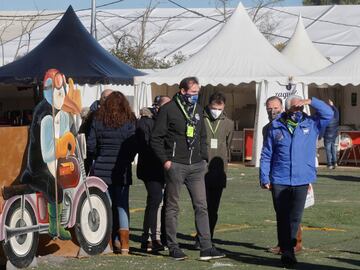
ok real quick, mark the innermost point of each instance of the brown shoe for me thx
(275, 250)
(124, 240)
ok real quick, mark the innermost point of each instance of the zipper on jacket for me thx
(191, 152)
(174, 149)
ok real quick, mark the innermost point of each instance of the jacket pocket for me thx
(174, 149)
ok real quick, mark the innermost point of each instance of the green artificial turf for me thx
(246, 228)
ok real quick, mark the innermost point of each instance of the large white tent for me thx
(238, 54)
(340, 82)
(301, 51)
(345, 71)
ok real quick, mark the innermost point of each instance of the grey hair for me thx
(288, 100)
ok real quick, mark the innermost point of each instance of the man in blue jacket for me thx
(287, 165)
(330, 134)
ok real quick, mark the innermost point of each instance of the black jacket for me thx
(168, 139)
(113, 150)
(149, 167)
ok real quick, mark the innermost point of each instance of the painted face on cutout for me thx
(55, 88)
(59, 90)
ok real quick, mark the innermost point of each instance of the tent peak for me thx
(240, 6)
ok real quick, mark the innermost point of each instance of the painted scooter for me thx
(86, 207)
(55, 153)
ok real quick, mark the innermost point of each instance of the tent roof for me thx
(238, 53)
(71, 49)
(301, 51)
(345, 71)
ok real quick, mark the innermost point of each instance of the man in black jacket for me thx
(149, 169)
(179, 141)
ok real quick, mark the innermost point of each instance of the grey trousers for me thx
(193, 178)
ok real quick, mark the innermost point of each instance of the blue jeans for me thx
(330, 148)
(120, 203)
(289, 202)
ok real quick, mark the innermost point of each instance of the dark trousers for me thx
(289, 202)
(154, 198)
(193, 178)
(213, 196)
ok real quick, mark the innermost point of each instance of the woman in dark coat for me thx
(111, 145)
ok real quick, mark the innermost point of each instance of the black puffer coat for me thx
(113, 150)
(149, 167)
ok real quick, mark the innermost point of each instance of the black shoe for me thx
(177, 254)
(210, 253)
(197, 245)
(146, 246)
(157, 246)
(288, 259)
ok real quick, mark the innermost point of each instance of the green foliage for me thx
(137, 56)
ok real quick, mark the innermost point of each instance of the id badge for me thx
(190, 131)
(213, 143)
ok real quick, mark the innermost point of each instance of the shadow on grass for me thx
(239, 244)
(347, 178)
(350, 252)
(345, 260)
(275, 262)
(218, 242)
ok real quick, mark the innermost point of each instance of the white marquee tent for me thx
(301, 51)
(238, 54)
(340, 82)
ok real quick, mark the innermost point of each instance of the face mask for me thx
(296, 116)
(192, 99)
(215, 113)
(272, 114)
(48, 95)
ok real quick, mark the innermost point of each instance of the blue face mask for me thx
(192, 99)
(296, 116)
(48, 95)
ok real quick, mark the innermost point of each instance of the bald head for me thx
(163, 100)
(105, 94)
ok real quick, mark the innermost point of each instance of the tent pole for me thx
(93, 19)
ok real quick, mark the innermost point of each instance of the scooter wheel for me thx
(21, 250)
(93, 230)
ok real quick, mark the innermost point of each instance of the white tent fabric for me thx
(301, 51)
(345, 71)
(239, 53)
(334, 30)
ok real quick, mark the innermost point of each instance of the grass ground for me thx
(246, 228)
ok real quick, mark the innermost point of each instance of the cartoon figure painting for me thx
(55, 192)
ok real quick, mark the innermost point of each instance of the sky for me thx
(82, 4)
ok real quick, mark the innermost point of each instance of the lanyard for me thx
(212, 130)
(184, 111)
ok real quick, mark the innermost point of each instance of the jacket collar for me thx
(276, 123)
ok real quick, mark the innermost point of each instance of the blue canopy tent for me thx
(71, 49)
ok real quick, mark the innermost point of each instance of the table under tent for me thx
(239, 62)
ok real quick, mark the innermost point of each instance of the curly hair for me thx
(115, 111)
